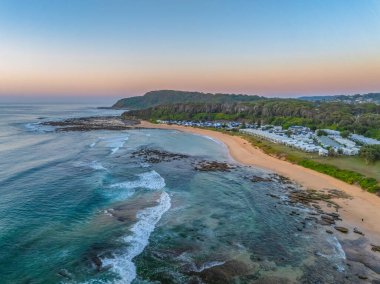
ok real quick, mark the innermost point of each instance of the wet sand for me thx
(361, 211)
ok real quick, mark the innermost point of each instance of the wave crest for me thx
(147, 220)
(149, 180)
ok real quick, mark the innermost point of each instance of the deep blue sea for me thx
(82, 207)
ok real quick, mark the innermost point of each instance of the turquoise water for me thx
(70, 200)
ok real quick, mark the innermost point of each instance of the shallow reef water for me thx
(95, 207)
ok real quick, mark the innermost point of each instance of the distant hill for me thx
(354, 99)
(167, 97)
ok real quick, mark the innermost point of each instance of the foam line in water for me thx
(144, 165)
(147, 219)
(95, 165)
(116, 143)
(149, 180)
(214, 140)
(185, 257)
(338, 256)
(208, 265)
(38, 127)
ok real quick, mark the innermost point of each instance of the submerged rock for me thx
(341, 229)
(358, 232)
(375, 248)
(328, 219)
(259, 179)
(223, 273)
(157, 156)
(65, 274)
(273, 195)
(213, 166)
(97, 261)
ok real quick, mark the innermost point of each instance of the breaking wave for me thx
(38, 127)
(208, 265)
(149, 180)
(121, 263)
(116, 143)
(338, 256)
(214, 140)
(95, 165)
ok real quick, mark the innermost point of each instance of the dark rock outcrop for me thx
(93, 123)
(207, 166)
(156, 156)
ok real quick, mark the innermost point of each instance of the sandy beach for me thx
(361, 211)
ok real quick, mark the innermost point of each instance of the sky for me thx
(124, 48)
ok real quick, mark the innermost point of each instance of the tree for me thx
(345, 133)
(321, 132)
(332, 153)
(370, 153)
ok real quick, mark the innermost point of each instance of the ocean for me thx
(130, 207)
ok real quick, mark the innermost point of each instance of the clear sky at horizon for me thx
(123, 48)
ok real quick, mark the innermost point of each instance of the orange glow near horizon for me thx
(335, 75)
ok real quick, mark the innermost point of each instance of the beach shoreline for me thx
(362, 211)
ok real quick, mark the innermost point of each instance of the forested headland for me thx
(361, 119)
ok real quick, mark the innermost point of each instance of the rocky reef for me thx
(93, 123)
(207, 166)
(155, 156)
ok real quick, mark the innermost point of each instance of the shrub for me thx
(371, 153)
(345, 133)
(351, 177)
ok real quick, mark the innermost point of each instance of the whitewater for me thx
(81, 207)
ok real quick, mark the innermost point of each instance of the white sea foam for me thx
(186, 257)
(38, 127)
(144, 165)
(92, 145)
(214, 140)
(109, 212)
(116, 143)
(140, 232)
(96, 166)
(149, 180)
(93, 165)
(208, 265)
(338, 256)
(32, 126)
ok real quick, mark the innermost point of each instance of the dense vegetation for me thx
(356, 118)
(164, 97)
(351, 177)
(371, 153)
(371, 97)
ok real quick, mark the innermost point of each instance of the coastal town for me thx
(322, 141)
